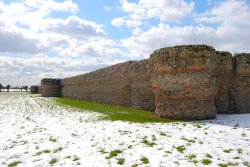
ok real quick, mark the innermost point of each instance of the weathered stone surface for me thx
(183, 81)
(34, 89)
(39, 90)
(241, 92)
(51, 87)
(141, 96)
(224, 100)
(109, 85)
(125, 84)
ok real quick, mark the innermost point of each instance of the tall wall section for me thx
(233, 82)
(50, 87)
(224, 100)
(125, 84)
(241, 91)
(141, 96)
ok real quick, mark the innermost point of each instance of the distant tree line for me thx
(8, 87)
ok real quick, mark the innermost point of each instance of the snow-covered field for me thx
(15, 90)
(36, 131)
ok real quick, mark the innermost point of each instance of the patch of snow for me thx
(35, 130)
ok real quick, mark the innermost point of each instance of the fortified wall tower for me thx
(50, 87)
(182, 82)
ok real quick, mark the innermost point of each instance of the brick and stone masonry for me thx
(224, 100)
(241, 89)
(125, 84)
(182, 82)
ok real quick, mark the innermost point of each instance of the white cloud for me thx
(66, 5)
(72, 36)
(118, 22)
(164, 10)
(229, 12)
(133, 23)
(31, 12)
(15, 41)
(27, 29)
(142, 44)
(233, 30)
(75, 27)
(92, 48)
(230, 31)
(22, 71)
(107, 8)
(167, 10)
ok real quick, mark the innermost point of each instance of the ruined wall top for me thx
(246, 55)
(50, 81)
(224, 53)
(184, 48)
(243, 64)
(243, 58)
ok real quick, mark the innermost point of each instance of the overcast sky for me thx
(46, 38)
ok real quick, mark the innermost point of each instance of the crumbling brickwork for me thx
(241, 90)
(182, 82)
(125, 84)
(141, 96)
(109, 86)
(224, 100)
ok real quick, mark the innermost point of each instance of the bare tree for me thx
(25, 88)
(0, 87)
(8, 88)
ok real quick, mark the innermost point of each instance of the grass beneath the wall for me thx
(115, 113)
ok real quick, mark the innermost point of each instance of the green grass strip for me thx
(114, 113)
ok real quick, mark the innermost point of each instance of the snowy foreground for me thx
(36, 131)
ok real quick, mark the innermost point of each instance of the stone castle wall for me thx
(182, 82)
(109, 85)
(125, 84)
